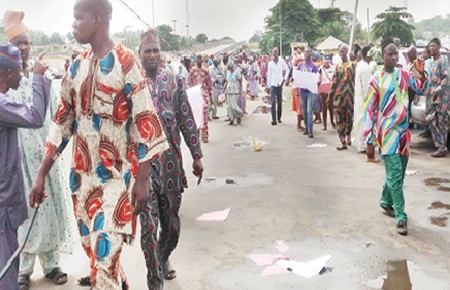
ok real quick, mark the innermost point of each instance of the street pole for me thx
(281, 34)
(153, 12)
(174, 26)
(187, 18)
(368, 26)
(352, 34)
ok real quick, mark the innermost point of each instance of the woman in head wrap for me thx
(232, 91)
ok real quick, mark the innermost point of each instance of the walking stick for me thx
(19, 250)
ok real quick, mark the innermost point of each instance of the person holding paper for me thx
(168, 178)
(199, 75)
(306, 96)
(386, 122)
(342, 95)
(277, 74)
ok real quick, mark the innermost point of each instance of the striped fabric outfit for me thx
(342, 93)
(386, 113)
(200, 76)
(167, 176)
(106, 107)
(437, 102)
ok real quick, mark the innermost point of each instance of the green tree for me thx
(256, 38)
(297, 16)
(393, 23)
(56, 38)
(3, 37)
(129, 38)
(201, 38)
(169, 41)
(335, 22)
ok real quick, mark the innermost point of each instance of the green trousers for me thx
(393, 187)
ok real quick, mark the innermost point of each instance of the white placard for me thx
(195, 99)
(306, 80)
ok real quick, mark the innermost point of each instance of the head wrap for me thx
(150, 36)
(376, 55)
(10, 56)
(327, 58)
(13, 23)
(386, 42)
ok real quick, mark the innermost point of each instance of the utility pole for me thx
(187, 18)
(352, 33)
(368, 26)
(281, 34)
(153, 12)
(174, 26)
(332, 3)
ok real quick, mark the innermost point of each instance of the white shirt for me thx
(401, 60)
(277, 73)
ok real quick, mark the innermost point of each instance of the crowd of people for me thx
(127, 113)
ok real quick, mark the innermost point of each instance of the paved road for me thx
(318, 201)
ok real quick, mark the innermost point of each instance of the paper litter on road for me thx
(273, 270)
(306, 269)
(412, 172)
(266, 259)
(317, 145)
(282, 247)
(215, 216)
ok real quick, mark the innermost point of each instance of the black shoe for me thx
(305, 132)
(310, 135)
(215, 118)
(273, 123)
(389, 211)
(402, 228)
(231, 123)
(239, 120)
(279, 120)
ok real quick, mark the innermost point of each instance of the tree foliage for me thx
(201, 38)
(169, 41)
(314, 24)
(297, 16)
(393, 23)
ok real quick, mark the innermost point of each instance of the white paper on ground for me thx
(317, 145)
(273, 270)
(306, 269)
(195, 99)
(412, 172)
(215, 216)
(282, 247)
(266, 259)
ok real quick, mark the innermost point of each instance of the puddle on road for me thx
(436, 181)
(439, 205)
(405, 275)
(440, 221)
(397, 276)
(250, 180)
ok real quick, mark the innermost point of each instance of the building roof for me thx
(331, 43)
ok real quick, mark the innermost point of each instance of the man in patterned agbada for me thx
(167, 177)
(106, 109)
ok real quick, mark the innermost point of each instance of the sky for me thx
(238, 19)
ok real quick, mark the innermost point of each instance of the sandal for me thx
(85, 281)
(24, 281)
(168, 272)
(57, 276)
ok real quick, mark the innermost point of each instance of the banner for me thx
(306, 80)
